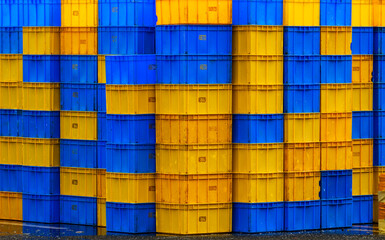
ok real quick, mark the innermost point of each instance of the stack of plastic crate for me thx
(193, 121)
(127, 36)
(302, 114)
(258, 116)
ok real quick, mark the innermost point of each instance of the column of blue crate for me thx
(126, 36)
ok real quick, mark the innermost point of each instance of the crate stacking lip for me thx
(362, 150)
(302, 41)
(79, 13)
(362, 40)
(362, 69)
(194, 40)
(302, 186)
(11, 68)
(78, 40)
(378, 65)
(79, 69)
(301, 13)
(337, 13)
(310, 212)
(363, 206)
(336, 184)
(302, 157)
(362, 182)
(336, 69)
(12, 206)
(362, 125)
(257, 12)
(378, 40)
(336, 213)
(301, 98)
(41, 68)
(41, 208)
(41, 40)
(302, 70)
(78, 210)
(302, 127)
(11, 40)
(336, 40)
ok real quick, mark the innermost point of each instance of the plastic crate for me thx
(102, 126)
(378, 96)
(379, 124)
(379, 40)
(102, 154)
(301, 98)
(78, 125)
(336, 98)
(362, 153)
(302, 215)
(302, 127)
(378, 66)
(102, 209)
(11, 40)
(378, 152)
(101, 98)
(362, 126)
(78, 181)
(78, 210)
(302, 70)
(336, 13)
(336, 69)
(302, 41)
(11, 94)
(259, 128)
(362, 69)
(258, 217)
(78, 153)
(11, 123)
(11, 13)
(11, 151)
(127, 13)
(362, 13)
(135, 69)
(41, 96)
(41, 208)
(41, 68)
(11, 206)
(130, 218)
(301, 13)
(336, 184)
(336, 213)
(362, 97)
(196, 69)
(378, 13)
(77, 13)
(257, 12)
(336, 155)
(193, 40)
(42, 13)
(362, 181)
(336, 40)
(101, 183)
(41, 124)
(336, 127)
(302, 157)
(8, 175)
(42, 152)
(78, 97)
(363, 209)
(41, 180)
(255, 187)
(78, 40)
(302, 186)
(362, 40)
(131, 158)
(126, 40)
(41, 40)
(11, 68)
(78, 69)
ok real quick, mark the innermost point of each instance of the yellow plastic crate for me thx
(257, 40)
(301, 127)
(362, 153)
(362, 181)
(193, 218)
(193, 189)
(376, 172)
(362, 99)
(336, 127)
(11, 206)
(101, 183)
(257, 70)
(301, 12)
(258, 158)
(193, 129)
(302, 157)
(130, 188)
(102, 69)
(176, 12)
(11, 68)
(41, 96)
(132, 99)
(11, 150)
(336, 98)
(41, 40)
(362, 13)
(11, 95)
(362, 71)
(378, 13)
(78, 125)
(193, 158)
(78, 181)
(302, 186)
(101, 205)
(194, 99)
(257, 188)
(79, 40)
(257, 99)
(79, 13)
(336, 40)
(336, 155)
(42, 152)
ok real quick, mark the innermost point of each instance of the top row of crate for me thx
(92, 13)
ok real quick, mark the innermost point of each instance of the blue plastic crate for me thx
(379, 152)
(102, 126)
(11, 13)
(258, 217)
(41, 68)
(79, 97)
(336, 12)
(336, 213)
(257, 12)
(79, 69)
(127, 13)
(101, 97)
(362, 209)
(336, 184)
(302, 215)
(102, 155)
(41, 208)
(131, 218)
(301, 98)
(379, 40)
(336, 69)
(11, 178)
(44, 13)
(78, 210)
(301, 70)
(41, 124)
(131, 129)
(41, 180)
(131, 158)
(362, 126)
(78, 153)
(135, 69)
(258, 128)
(10, 123)
(11, 40)
(362, 40)
(202, 69)
(126, 40)
(379, 124)
(379, 68)
(379, 96)
(301, 40)
(193, 40)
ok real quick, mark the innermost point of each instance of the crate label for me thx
(74, 207)
(151, 156)
(203, 67)
(202, 99)
(151, 99)
(202, 159)
(152, 67)
(74, 151)
(75, 94)
(212, 188)
(202, 219)
(356, 68)
(151, 188)
(74, 182)
(83, 41)
(356, 154)
(114, 38)
(202, 37)
(75, 13)
(151, 214)
(212, 9)
(213, 128)
(75, 66)
(115, 9)
(75, 125)
(151, 126)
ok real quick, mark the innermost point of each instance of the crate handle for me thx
(74, 207)
(114, 9)
(202, 99)
(202, 219)
(75, 94)
(212, 188)
(151, 99)
(152, 67)
(202, 37)
(75, 13)
(74, 182)
(75, 125)
(202, 159)
(203, 67)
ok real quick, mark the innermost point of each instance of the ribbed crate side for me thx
(257, 12)
(41, 68)
(336, 13)
(362, 125)
(301, 98)
(336, 184)
(41, 208)
(11, 40)
(78, 210)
